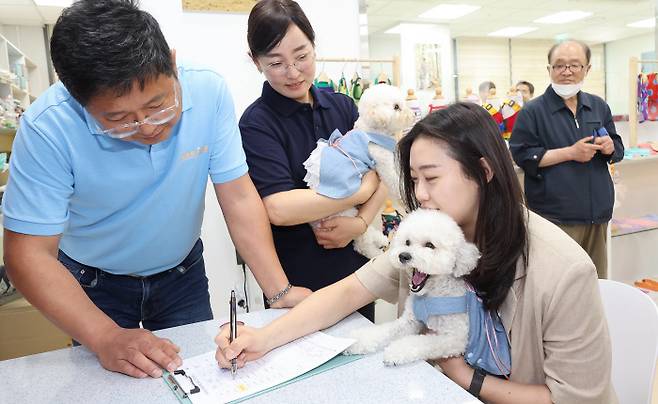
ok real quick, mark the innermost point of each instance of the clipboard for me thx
(183, 392)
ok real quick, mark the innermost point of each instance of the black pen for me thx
(233, 307)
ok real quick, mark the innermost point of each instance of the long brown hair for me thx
(500, 232)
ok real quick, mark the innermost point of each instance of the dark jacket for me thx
(568, 192)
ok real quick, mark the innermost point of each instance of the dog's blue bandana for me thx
(487, 347)
(346, 159)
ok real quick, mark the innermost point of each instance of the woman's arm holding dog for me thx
(298, 206)
(320, 310)
(338, 231)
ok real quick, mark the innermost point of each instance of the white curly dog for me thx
(335, 166)
(430, 250)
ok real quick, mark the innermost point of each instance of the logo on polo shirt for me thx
(194, 153)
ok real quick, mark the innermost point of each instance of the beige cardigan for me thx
(553, 316)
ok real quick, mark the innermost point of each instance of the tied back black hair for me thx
(500, 231)
(108, 45)
(269, 21)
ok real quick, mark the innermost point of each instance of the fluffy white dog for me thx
(430, 250)
(335, 167)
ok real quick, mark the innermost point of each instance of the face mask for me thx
(567, 90)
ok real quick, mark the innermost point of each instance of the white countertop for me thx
(73, 375)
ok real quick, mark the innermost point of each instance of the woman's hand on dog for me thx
(250, 345)
(369, 184)
(338, 231)
(456, 369)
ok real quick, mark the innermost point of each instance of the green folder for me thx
(334, 362)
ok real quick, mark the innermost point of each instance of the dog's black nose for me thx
(404, 257)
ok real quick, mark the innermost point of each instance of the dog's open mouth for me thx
(418, 280)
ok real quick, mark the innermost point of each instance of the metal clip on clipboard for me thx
(179, 391)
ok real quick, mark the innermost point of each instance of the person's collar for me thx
(186, 97)
(556, 102)
(287, 106)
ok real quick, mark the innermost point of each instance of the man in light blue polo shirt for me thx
(105, 202)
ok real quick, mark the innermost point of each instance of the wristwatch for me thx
(476, 382)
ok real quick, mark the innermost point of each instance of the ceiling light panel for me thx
(648, 23)
(563, 17)
(448, 11)
(510, 32)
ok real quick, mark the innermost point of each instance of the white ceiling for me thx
(608, 23)
(27, 12)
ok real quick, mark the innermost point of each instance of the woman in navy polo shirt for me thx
(279, 131)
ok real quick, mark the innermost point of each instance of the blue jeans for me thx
(167, 299)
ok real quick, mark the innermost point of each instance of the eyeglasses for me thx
(302, 62)
(572, 68)
(156, 119)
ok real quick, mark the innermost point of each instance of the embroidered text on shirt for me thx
(194, 153)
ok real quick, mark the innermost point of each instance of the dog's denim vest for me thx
(346, 159)
(488, 347)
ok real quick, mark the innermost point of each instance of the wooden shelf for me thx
(17, 90)
(29, 63)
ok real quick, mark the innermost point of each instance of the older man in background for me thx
(564, 141)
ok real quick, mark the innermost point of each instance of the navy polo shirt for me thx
(278, 135)
(570, 192)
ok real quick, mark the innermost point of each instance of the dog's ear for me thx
(466, 260)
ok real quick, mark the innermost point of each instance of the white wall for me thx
(383, 46)
(616, 68)
(219, 41)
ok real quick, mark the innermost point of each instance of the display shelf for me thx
(631, 225)
(635, 235)
(14, 61)
(652, 158)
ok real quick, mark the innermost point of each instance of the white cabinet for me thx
(16, 72)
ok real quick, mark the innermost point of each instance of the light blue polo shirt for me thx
(121, 206)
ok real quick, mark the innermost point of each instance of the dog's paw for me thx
(371, 244)
(368, 340)
(398, 353)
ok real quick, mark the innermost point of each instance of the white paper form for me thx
(276, 367)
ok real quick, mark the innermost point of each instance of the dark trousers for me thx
(167, 299)
(593, 239)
